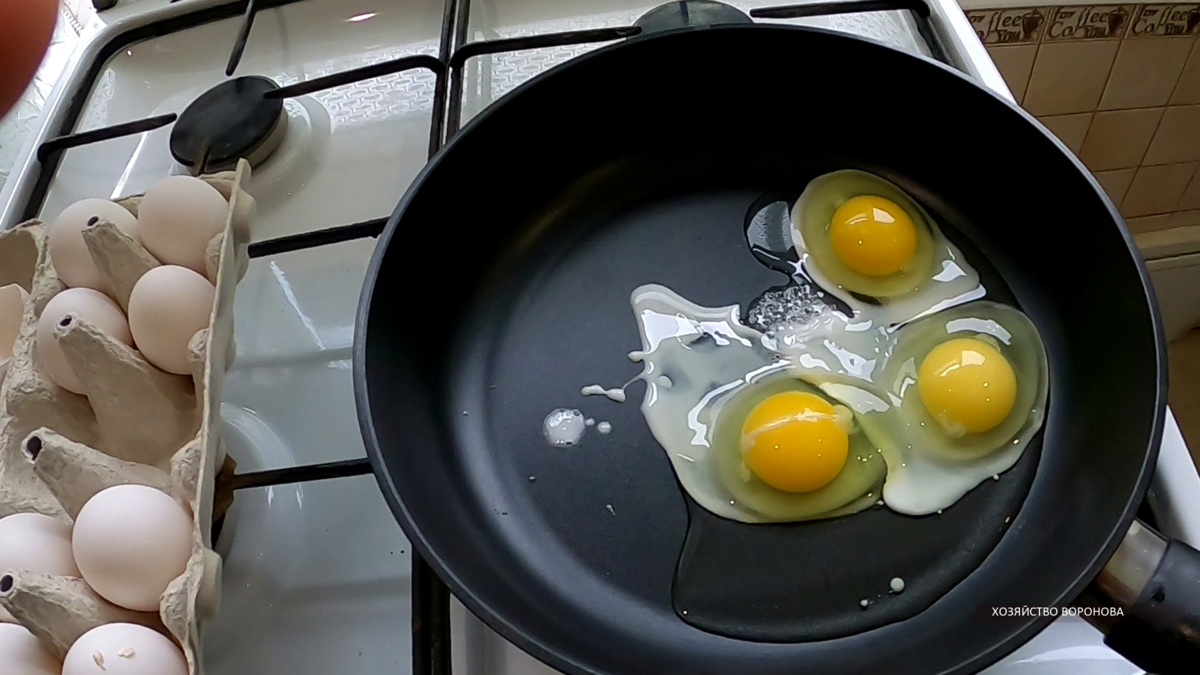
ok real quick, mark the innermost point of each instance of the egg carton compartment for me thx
(136, 425)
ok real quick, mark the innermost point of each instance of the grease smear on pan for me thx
(914, 396)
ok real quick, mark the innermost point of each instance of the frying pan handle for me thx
(1156, 584)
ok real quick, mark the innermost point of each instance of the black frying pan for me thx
(502, 285)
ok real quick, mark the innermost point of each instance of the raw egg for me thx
(68, 251)
(124, 649)
(794, 441)
(872, 246)
(967, 386)
(22, 653)
(748, 441)
(130, 542)
(37, 543)
(818, 418)
(168, 305)
(177, 218)
(873, 235)
(93, 307)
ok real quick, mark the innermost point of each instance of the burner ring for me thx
(231, 121)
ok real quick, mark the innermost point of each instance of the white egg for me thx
(168, 305)
(22, 653)
(130, 542)
(178, 216)
(36, 543)
(937, 276)
(68, 251)
(93, 307)
(12, 313)
(124, 649)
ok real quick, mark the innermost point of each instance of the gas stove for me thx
(318, 577)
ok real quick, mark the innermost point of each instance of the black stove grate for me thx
(430, 596)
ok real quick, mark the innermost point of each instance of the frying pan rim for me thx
(497, 620)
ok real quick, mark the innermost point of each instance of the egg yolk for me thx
(873, 236)
(967, 385)
(794, 442)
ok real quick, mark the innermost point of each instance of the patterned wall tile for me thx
(1163, 20)
(1083, 22)
(1009, 26)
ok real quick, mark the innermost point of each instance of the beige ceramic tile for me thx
(1185, 219)
(1117, 139)
(1014, 62)
(1177, 138)
(1070, 129)
(1149, 223)
(1191, 196)
(1069, 77)
(1115, 183)
(1188, 88)
(1145, 72)
(1183, 388)
(1156, 189)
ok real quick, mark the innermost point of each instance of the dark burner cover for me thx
(690, 13)
(233, 121)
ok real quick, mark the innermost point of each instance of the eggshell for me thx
(124, 649)
(168, 305)
(37, 543)
(12, 311)
(22, 654)
(69, 253)
(25, 33)
(177, 218)
(130, 542)
(90, 305)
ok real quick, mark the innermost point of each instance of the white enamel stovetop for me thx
(317, 575)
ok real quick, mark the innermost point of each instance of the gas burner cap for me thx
(674, 15)
(229, 122)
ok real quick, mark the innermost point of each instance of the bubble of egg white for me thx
(564, 427)
(23, 654)
(168, 305)
(38, 543)
(178, 217)
(69, 252)
(897, 585)
(89, 305)
(604, 427)
(124, 649)
(130, 542)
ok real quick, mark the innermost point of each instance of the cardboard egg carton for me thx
(137, 425)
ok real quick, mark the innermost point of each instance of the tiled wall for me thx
(1118, 84)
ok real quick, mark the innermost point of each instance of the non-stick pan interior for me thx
(635, 166)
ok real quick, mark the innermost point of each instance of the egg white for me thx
(702, 364)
